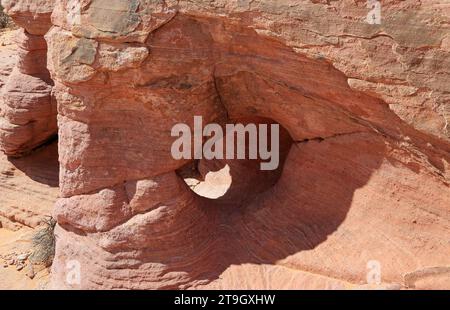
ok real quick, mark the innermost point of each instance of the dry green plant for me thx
(44, 243)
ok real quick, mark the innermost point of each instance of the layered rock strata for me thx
(28, 188)
(350, 190)
(365, 171)
(27, 110)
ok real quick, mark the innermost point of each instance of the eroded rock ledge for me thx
(364, 177)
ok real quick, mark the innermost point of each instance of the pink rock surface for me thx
(27, 109)
(28, 185)
(350, 190)
(365, 155)
(28, 188)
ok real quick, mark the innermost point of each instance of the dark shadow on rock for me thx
(41, 165)
(264, 220)
(306, 205)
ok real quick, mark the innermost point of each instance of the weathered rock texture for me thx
(28, 188)
(27, 110)
(365, 174)
(8, 56)
(28, 185)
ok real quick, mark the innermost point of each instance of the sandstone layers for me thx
(28, 112)
(29, 184)
(28, 188)
(365, 174)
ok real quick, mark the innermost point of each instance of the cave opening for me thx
(235, 181)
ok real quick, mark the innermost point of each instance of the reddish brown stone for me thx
(365, 170)
(27, 109)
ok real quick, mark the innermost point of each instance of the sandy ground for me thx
(28, 187)
(14, 244)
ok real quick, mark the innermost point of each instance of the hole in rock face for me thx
(213, 183)
(236, 180)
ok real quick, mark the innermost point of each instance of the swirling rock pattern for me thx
(363, 177)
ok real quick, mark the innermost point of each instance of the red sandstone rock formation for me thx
(365, 172)
(28, 185)
(28, 112)
(28, 188)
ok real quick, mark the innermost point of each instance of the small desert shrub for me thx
(4, 18)
(44, 244)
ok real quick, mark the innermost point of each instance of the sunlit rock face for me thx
(27, 109)
(364, 172)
